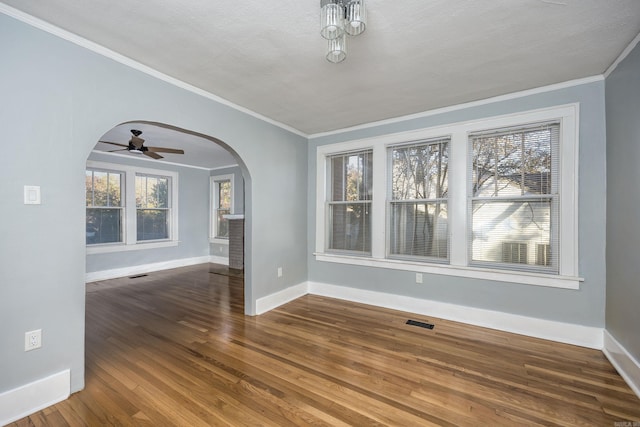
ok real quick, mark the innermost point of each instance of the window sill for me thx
(219, 241)
(103, 249)
(525, 278)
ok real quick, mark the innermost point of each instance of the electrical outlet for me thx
(32, 340)
(418, 277)
(279, 271)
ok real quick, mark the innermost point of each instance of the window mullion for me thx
(378, 210)
(130, 208)
(458, 210)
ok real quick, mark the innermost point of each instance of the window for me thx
(514, 194)
(418, 207)
(104, 206)
(221, 205)
(350, 203)
(492, 199)
(130, 208)
(152, 207)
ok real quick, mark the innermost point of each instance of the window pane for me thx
(419, 229)
(114, 190)
(88, 183)
(511, 231)
(420, 171)
(224, 194)
(351, 176)
(152, 192)
(100, 184)
(513, 164)
(222, 226)
(104, 225)
(152, 224)
(349, 227)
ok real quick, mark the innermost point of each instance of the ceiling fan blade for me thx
(136, 141)
(152, 155)
(165, 150)
(114, 143)
(120, 149)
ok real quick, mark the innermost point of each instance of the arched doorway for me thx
(179, 171)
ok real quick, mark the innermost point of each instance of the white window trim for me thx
(129, 238)
(213, 190)
(567, 278)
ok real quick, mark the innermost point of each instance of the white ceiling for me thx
(416, 55)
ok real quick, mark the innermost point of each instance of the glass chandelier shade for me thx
(356, 17)
(339, 18)
(331, 20)
(337, 49)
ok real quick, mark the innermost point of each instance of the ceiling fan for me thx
(136, 145)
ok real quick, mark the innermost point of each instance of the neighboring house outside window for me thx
(492, 199)
(113, 224)
(104, 206)
(221, 205)
(514, 195)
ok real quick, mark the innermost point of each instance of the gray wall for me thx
(583, 307)
(57, 100)
(222, 250)
(623, 202)
(193, 219)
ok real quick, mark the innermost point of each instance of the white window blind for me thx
(513, 197)
(349, 204)
(417, 212)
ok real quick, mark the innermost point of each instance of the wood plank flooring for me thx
(174, 348)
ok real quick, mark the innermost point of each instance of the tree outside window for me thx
(418, 222)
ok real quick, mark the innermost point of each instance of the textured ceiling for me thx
(416, 55)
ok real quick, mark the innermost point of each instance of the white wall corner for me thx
(279, 298)
(145, 268)
(626, 365)
(33, 397)
(568, 333)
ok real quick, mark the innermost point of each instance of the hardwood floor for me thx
(174, 348)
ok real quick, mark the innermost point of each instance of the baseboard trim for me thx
(279, 298)
(219, 260)
(623, 361)
(568, 333)
(35, 396)
(148, 268)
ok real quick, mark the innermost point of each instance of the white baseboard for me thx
(623, 361)
(33, 397)
(147, 268)
(585, 336)
(224, 260)
(279, 298)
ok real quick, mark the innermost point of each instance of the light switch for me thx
(31, 194)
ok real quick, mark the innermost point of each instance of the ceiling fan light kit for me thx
(339, 18)
(136, 146)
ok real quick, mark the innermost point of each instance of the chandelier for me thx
(339, 18)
